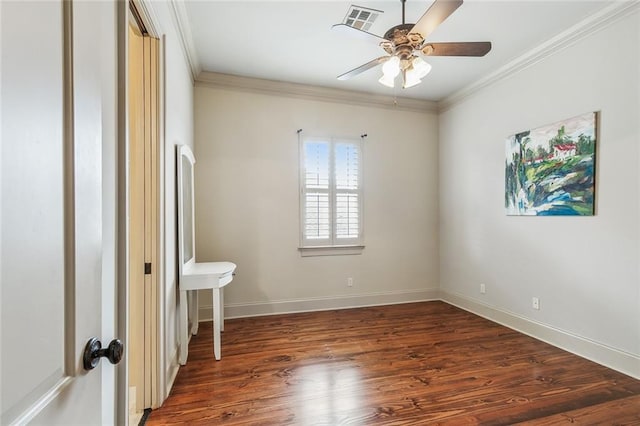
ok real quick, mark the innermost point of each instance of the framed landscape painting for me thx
(550, 171)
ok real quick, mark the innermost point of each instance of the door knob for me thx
(93, 351)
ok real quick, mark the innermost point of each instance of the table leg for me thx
(184, 326)
(216, 323)
(222, 309)
(194, 312)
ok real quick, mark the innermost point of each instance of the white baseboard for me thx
(242, 310)
(616, 359)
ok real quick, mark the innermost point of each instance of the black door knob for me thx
(93, 351)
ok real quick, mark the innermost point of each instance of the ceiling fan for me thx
(403, 42)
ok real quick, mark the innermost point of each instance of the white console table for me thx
(194, 275)
(202, 276)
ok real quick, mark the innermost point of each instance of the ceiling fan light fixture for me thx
(410, 82)
(387, 80)
(411, 79)
(420, 67)
(391, 68)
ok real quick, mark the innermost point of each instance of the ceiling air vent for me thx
(361, 17)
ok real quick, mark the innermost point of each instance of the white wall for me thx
(246, 178)
(585, 270)
(178, 125)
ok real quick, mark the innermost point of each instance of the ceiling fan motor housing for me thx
(400, 34)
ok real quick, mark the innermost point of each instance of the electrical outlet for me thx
(349, 282)
(483, 289)
(535, 303)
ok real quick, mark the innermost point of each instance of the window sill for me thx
(330, 250)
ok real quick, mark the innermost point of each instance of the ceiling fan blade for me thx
(434, 16)
(344, 28)
(472, 48)
(362, 68)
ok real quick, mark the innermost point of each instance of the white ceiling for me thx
(292, 41)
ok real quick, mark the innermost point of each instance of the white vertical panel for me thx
(32, 208)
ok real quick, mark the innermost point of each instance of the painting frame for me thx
(551, 170)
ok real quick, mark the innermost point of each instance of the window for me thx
(331, 193)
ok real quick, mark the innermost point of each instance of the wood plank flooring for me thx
(413, 364)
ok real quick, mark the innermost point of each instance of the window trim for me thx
(332, 245)
(330, 250)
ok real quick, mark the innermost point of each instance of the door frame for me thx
(151, 23)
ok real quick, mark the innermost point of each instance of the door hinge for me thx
(147, 268)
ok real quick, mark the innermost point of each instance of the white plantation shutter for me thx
(347, 167)
(317, 214)
(316, 224)
(331, 192)
(347, 221)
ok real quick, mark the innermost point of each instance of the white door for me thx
(57, 114)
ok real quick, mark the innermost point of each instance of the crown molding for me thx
(183, 28)
(303, 91)
(601, 19)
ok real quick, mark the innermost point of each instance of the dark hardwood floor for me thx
(412, 364)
